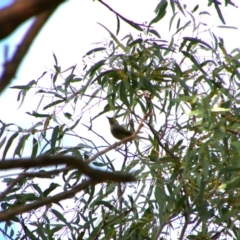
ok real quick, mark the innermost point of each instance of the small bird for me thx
(118, 131)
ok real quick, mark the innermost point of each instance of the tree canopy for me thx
(180, 182)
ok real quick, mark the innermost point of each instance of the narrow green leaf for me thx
(131, 23)
(67, 115)
(34, 147)
(195, 8)
(183, 27)
(172, 3)
(20, 147)
(159, 196)
(54, 137)
(228, 27)
(51, 188)
(8, 145)
(91, 192)
(75, 124)
(216, 5)
(118, 25)
(2, 129)
(55, 59)
(123, 94)
(180, 7)
(195, 62)
(95, 50)
(3, 141)
(35, 114)
(25, 87)
(204, 13)
(161, 11)
(139, 40)
(114, 38)
(61, 217)
(229, 169)
(196, 41)
(95, 67)
(53, 104)
(171, 21)
(154, 32)
(232, 184)
(38, 189)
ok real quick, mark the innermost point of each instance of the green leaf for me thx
(161, 11)
(8, 145)
(115, 39)
(95, 67)
(139, 40)
(38, 189)
(55, 59)
(216, 5)
(195, 62)
(61, 217)
(34, 148)
(231, 185)
(68, 115)
(20, 147)
(51, 188)
(53, 104)
(35, 114)
(180, 7)
(183, 27)
(95, 50)
(195, 8)
(159, 196)
(229, 169)
(2, 142)
(118, 25)
(54, 137)
(197, 41)
(131, 23)
(123, 94)
(25, 87)
(228, 27)
(154, 32)
(2, 128)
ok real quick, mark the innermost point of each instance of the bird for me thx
(118, 131)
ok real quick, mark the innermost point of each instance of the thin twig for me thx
(9, 188)
(9, 214)
(125, 140)
(119, 15)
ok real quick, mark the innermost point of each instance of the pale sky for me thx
(69, 33)
(73, 30)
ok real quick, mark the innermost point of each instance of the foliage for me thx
(188, 169)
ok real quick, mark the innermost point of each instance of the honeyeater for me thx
(117, 130)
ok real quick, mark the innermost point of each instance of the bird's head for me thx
(112, 121)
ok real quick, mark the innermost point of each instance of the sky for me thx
(69, 34)
(72, 31)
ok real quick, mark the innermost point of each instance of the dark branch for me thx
(12, 16)
(10, 67)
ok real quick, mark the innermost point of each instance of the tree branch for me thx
(12, 16)
(10, 67)
(9, 214)
(95, 174)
